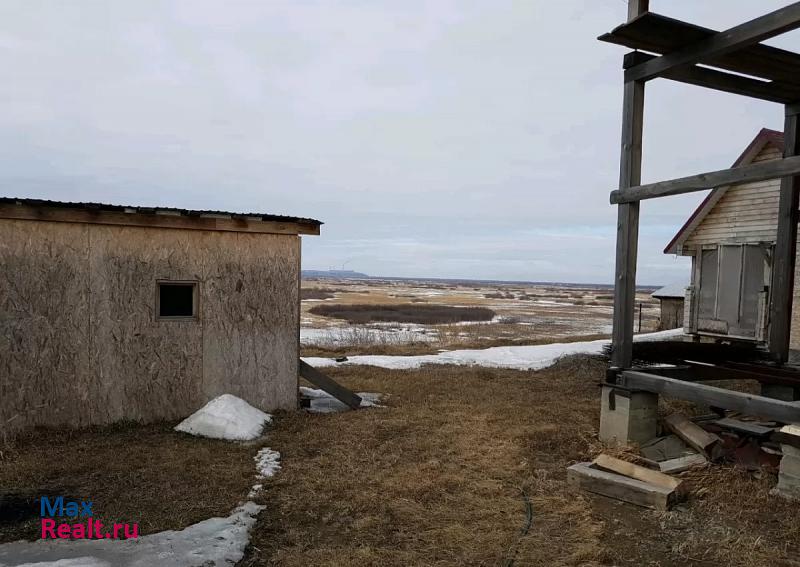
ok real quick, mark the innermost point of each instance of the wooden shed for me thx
(114, 313)
(671, 300)
(731, 239)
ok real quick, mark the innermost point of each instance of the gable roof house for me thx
(731, 238)
(112, 313)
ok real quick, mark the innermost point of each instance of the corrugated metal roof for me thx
(677, 289)
(154, 210)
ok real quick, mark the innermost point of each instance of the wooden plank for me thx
(329, 385)
(695, 436)
(632, 470)
(722, 43)
(748, 404)
(613, 485)
(744, 427)
(782, 292)
(680, 464)
(24, 212)
(661, 34)
(721, 81)
(743, 174)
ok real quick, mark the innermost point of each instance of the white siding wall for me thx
(746, 213)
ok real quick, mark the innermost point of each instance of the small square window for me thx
(177, 300)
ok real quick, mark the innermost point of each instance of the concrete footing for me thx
(780, 392)
(627, 417)
(789, 474)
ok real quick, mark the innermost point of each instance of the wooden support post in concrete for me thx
(785, 247)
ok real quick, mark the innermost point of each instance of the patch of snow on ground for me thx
(212, 542)
(362, 334)
(268, 462)
(323, 402)
(226, 417)
(534, 357)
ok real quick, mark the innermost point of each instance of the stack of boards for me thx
(626, 481)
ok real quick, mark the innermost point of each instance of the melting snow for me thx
(226, 417)
(534, 357)
(212, 542)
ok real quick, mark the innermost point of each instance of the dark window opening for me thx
(176, 300)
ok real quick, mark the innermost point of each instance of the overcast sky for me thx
(473, 139)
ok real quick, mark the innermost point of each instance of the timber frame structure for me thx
(732, 61)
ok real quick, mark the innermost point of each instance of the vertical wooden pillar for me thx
(630, 175)
(785, 247)
(627, 225)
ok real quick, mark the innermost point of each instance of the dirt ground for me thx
(441, 476)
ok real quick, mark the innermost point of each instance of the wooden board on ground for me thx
(680, 464)
(632, 470)
(335, 389)
(744, 427)
(613, 485)
(694, 435)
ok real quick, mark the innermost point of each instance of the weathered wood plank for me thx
(633, 470)
(680, 464)
(329, 385)
(748, 404)
(782, 292)
(613, 485)
(728, 41)
(744, 427)
(754, 172)
(719, 80)
(695, 436)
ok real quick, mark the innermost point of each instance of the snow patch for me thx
(226, 417)
(268, 462)
(212, 542)
(323, 402)
(533, 357)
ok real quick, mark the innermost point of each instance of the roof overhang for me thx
(146, 217)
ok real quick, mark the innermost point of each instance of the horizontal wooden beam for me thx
(747, 173)
(749, 404)
(771, 91)
(728, 41)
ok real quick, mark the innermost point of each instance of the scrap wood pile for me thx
(758, 446)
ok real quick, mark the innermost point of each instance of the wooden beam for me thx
(630, 174)
(583, 476)
(632, 470)
(732, 176)
(695, 436)
(782, 292)
(329, 385)
(771, 91)
(748, 404)
(728, 41)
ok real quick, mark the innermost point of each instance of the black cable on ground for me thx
(526, 526)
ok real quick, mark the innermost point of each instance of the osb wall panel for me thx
(80, 337)
(250, 312)
(44, 325)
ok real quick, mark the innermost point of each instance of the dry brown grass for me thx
(436, 479)
(146, 474)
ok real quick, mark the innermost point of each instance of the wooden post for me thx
(785, 247)
(627, 225)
